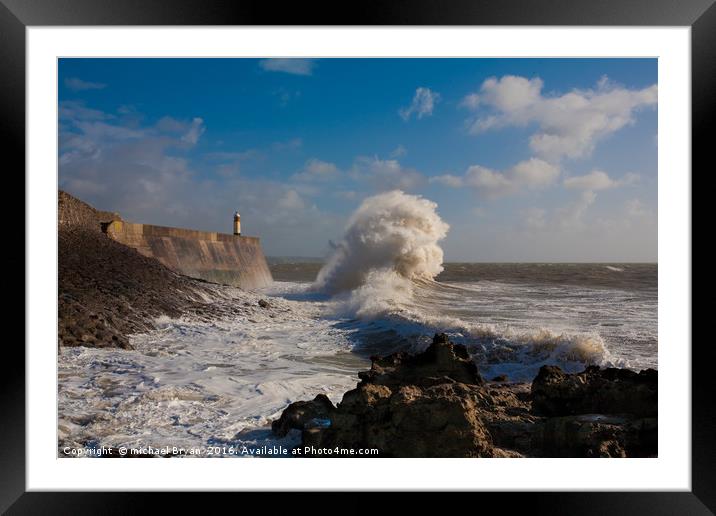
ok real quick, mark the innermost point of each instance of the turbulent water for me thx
(220, 380)
(517, 317)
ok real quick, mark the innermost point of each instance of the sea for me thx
(217, 383)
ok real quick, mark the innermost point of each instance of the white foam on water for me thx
(193, 383)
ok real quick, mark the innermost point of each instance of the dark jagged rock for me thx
(435, 404)
(596, 413)
(301, 414)
(596, 435)
(442, 362)
(405, 401)
(595, 391)
(405, 421)
(263, 303)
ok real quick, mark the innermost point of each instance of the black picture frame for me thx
(17, 15)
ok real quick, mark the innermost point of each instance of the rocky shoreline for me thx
(108, 291)
(436, 404)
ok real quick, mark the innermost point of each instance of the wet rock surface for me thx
(405, 422)
(597, 435)
(304, 414)
(436, 404)
(443, 362)
(595, 390)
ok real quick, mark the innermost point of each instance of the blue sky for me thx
(527, 159)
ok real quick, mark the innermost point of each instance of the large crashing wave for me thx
(390, 234)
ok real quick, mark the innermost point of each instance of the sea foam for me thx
(391, 233)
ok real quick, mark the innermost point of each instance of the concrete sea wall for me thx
(217, 257)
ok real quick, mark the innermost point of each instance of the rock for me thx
(437, 421)
(263, 303)
(304, 414)
(442, 362)
(596, 435)
(505, 411)
(435, 404)
(500, 378)
(423, 405)
(595, 391)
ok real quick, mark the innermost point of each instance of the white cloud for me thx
(598, 180)
(510, 94)
(233, 155)
(86, 133)
(471, 101)
(572, 215)
(103, 130)
(171, 125)
(347, 195)
(288, 65)
(448, 180)
(286, 96)
(229, 169)
(569, 125)
(292, 144)
(317, 170)
(572, 219)
(386, 174)
(190, 131)
(291, 200)
(75, 84)
(595, 180)
(535, 218)
(422, 105)
(489, 182)
(531, 174)
(74, 110)
(398, 152)
(568, 218)
(102, 158)
(196, 129)
(479, 211)
(634, 208)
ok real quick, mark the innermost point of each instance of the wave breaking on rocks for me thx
(436, 404)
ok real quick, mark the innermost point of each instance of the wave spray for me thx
(390, 234)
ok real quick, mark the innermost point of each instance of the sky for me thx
(528, 160)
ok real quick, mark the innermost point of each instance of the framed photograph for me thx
(456, 242)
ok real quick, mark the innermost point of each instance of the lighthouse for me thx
(237, 224)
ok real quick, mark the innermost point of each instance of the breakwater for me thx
(221, 258)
